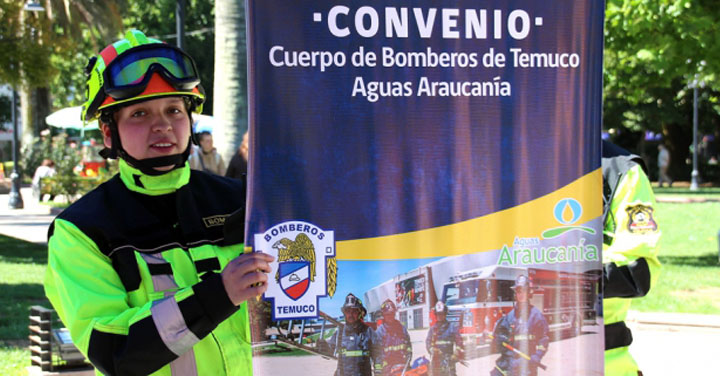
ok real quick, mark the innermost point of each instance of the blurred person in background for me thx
(237, 168)
(663, 165)
(206, 158)
(45, 170)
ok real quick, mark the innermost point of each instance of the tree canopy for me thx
(655, 51)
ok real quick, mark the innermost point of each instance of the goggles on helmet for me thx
(129, 73)
(387, 307)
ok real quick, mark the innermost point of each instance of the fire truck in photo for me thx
(478, 298)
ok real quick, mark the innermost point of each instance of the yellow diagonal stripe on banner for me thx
(480, 234)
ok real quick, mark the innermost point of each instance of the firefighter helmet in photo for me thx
(352, 301)
(524, 282)
(135, 69)
(440, 307)
(388, 307)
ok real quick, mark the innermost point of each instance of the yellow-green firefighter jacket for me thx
(630, 249)
(133, 272)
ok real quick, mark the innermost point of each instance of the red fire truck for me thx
(478, 298)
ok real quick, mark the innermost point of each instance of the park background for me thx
(660, 86)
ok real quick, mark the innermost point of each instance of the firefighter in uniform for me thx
(354, 346)
(521, 336)
(630, 249)
(394, 348)
(443, 343)
(145, 282)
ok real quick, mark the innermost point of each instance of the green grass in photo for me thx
(13, 360)
(22, 267)
(689, 281)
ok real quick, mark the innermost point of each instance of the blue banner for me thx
(425, 152)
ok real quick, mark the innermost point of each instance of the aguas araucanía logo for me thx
(567, 211)
(304, 270)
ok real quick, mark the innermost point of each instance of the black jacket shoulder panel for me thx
(622, 157)
(116, 218)
(89, 213)
(616, 161)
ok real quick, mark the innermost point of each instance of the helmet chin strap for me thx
(147, 165)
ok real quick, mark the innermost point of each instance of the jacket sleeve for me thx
(630, 262)
(542, 331)
(120, 339)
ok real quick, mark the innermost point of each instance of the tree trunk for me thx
(34, 107)
(27, 117)
(230, 92)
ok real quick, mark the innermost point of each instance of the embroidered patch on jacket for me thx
(215, 220)
(640, 219)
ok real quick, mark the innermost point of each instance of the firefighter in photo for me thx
(444, 343)
(143, 280)
(394, 348)
(354, 346)
(521, 336)
(630, 250)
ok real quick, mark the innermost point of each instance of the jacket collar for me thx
(136, 181)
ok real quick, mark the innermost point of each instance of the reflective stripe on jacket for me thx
(133, 272)
(354, 350)
(528, 333)
(443, 341)
(394, 341)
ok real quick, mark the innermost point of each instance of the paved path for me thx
(675, 344)
(30, 223)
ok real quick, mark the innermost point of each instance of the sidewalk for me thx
(30, 223)
(674, 343)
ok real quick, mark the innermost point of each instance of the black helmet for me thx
(525, 282)
(352, 301)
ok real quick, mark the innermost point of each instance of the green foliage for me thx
(68, 87)
(654, 50)
(65, 156)
(34, 154)
(157, 19)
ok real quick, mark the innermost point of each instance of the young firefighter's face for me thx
(153, 128)
(521, 295)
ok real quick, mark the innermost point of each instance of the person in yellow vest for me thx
(630, 250)
(141, 270)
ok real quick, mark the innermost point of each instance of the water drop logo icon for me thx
(567, 211)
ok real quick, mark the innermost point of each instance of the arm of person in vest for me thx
(116, 335)
(539, 328)
(630, 263)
